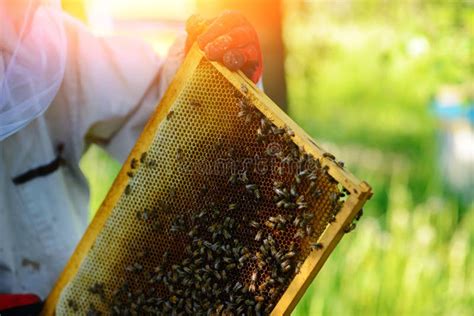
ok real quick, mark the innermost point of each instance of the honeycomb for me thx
(216, 217)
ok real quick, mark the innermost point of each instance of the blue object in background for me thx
(456, 140)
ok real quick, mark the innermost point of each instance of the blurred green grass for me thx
(356, 80)
(357, 85)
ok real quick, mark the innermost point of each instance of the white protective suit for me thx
(109, 88)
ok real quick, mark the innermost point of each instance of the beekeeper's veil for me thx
(32, 60)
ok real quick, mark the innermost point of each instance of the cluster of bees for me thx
(241, 254)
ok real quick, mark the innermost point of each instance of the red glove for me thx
(19, 304)
(229, 39)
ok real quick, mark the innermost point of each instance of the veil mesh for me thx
(32, 60)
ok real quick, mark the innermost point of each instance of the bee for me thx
(329, 156)
(169, 115)
(277, 130)
(280, 193)
(145, 215)
(143, 157)
(232, 206)
(151, 163)
(258, 236)
(93, 311)
(317, 246)
(233, 179)
(249, 117)
(317, 193)
(97, 289)
(264, 284)
(219, 309)
(281, 203)
(309, 230)
(298, 179)
(130, 174)
(244, 178)
(128, 189)
(244, 258)
(135, 267)
(281, 171)
(73, 305)
(230, 266)
(287, 160)
(285, 266)
(312, 177)
(302, 174)
(334, 197)
(204, 189)
(219, 143)
(359, 214)
(301, 202)
(250, 187)
(143, 254)
(340, 163)
(244, 89)
(237, 286)
(116, 310)
(281, 280)
(226, 234)
(179, 154)
(293, 190)
(239, 310)
(289, 205)
(349, 228)
(217, 263)
(165, 256)
(268, 309)
(178, 225)
(231, 152)
(270, 224)
(173, 299)
(280, 218)
(289, 255)
(157, 227)
(249, 302)
(254, 224)
(299, 234)
(195, 103)
(260, 134)
(253, 280)
(265, 124)
(290, 132)
(272, 292)
(133, 163)
(257, 194)
(311, 187)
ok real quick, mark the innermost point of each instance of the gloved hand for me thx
(229, 39)
(20, 304)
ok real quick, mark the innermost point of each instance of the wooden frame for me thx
(360, 191)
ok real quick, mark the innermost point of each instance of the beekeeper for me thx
(62, 89)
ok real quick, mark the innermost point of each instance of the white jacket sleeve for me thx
(112, 85)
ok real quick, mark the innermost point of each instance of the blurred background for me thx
(388, 86)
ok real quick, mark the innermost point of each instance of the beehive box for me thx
(224, 207)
